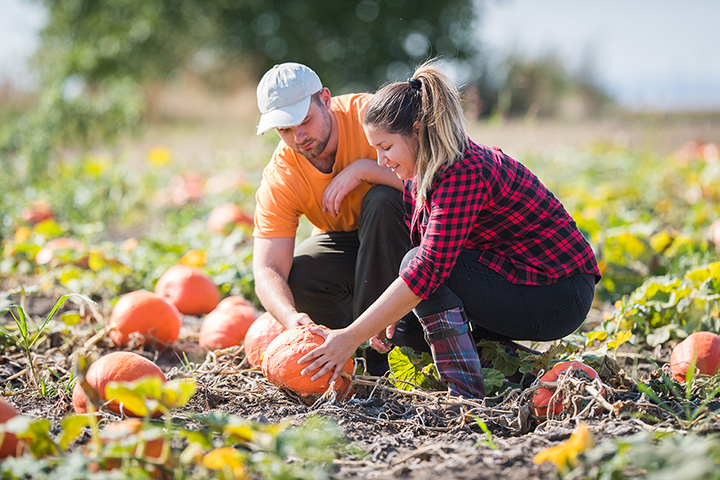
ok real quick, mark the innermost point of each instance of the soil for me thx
(409, 436)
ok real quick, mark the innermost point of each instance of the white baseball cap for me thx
(283, 95)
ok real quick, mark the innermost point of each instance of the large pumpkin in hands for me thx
(147, 314)
(701, 349)
(545, 402)
(227, 325)
(262, 331)
(115, 367)
(9, 444)
(280, 364)
(190, 289)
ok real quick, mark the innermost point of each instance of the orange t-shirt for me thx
(291, 186)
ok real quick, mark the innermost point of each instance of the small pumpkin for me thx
(117, 431)
(544, 400)
(280, 364)
(259, 335)
(227, 325)
(699, 348)
(10, 446)
(38, 211)
(47, 254)
(145, 313)
(190, 289)
(115, 367)
(225, 215)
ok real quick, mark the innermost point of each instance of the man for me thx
(325, 169)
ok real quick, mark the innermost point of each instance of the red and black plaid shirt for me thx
(491, 203)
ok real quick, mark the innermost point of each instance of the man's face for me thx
(310, 137)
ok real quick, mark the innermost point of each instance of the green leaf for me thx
(72, 426)
(35, 432)
(408, 366)
(493, 379)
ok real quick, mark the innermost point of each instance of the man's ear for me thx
(325, 96)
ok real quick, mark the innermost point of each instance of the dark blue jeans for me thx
(500, 310)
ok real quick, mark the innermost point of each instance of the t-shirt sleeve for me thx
(453, 211)
(276, 214)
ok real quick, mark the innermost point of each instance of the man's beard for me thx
(320, 144)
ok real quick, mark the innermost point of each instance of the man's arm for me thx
(361, 170)
(272, 260)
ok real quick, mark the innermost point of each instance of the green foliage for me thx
(25, 339)
(410, 369)
(216, 445)
(672, 306)
(651, 455)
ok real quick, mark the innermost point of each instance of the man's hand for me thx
(340, 186)
(297, 319)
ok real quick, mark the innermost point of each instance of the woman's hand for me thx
(331, 356)
(382, 341)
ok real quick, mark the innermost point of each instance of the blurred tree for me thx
(351, 45)
(96, 56)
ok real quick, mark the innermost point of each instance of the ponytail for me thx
(430, 100)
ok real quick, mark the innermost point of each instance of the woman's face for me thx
(395, 151)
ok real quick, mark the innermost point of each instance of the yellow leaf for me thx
(160, 156)
(96, 262)
(620, 338)
(660, 241)
(122, 392)
(242, 432)
(194, 258)
(598, 335)
(564, 455)
(228, 460)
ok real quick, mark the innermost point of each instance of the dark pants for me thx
(500, 310)
(336, 276)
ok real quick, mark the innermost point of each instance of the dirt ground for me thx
(401, 436)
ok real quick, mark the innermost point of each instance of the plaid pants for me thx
(453, 351)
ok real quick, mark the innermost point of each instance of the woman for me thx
(492, 243)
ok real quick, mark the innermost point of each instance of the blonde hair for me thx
(431, 101)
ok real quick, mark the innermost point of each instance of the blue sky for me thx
(656, 53)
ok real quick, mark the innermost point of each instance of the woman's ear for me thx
(416, 128)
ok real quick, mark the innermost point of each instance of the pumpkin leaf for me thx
(35, 432)
(406, 365)
(129, 397)
(564, 455)
(227, 460)
(493, 379)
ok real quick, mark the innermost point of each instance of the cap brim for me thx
(284, 117)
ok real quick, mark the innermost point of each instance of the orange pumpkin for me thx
(145, 313)
(262, 331)
(38, 211)
(226, 326)
(190, 289)
(46, 255)
(222, 216)
(280, 363)
(234, 301)
(9, 444)
(699, 348)
(714, 232)
(115, 367)
(543, 402)
(153, 449)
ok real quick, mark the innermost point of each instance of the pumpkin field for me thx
(132, 344)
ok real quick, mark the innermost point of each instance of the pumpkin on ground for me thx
(145, 313)
(9, 444)
(262, 331)
(115, 367)
(701, 349)
(190, 289)
(280, 364)
(227, 325)
(225, 215)
(545, 401)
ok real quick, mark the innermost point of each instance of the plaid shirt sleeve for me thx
(448, 218)
(489, 202)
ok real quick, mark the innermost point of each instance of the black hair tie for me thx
(415, 83)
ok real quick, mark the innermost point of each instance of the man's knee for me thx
(382, 199)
